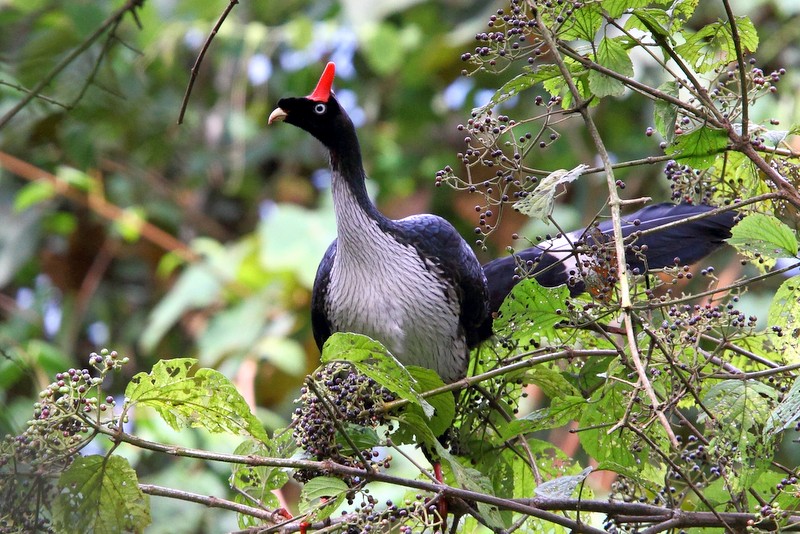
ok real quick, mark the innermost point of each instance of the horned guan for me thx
(416, 286)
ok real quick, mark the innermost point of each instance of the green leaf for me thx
(612, 55)
(322, 496)
(560, 412)
(786, 413)
(540, 202)
(712, 46)
(100, 495)
(532, 310)
(615, 8)
(444, 404)
(234, 329)
(205, 399)
(665, 114)
(583, 24)
(700, 147)
(550, 381)
(474, 480)
(784, 313)
(764, 239)
(652, 20)
(373, 360)
(562, 487)
(518, 84)
(33, 193)
(738, 406)
(254, 483)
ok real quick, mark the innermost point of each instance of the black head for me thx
(318, 113)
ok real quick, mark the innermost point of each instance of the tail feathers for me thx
(556, 262)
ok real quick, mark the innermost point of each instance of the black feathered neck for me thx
(330, 124)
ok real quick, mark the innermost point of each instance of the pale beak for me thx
(277, 115)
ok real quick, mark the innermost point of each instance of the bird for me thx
(416, 286)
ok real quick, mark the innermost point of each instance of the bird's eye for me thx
(319, 109)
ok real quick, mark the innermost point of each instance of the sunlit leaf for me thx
(34, 193)
(712, 46)
(787, 413)
(322, 496)
(738, 405)
(700, 147)
(665, 114)
(532, 310)
(204, 399)
(764, 239)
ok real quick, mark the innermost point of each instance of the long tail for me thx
(555, 262)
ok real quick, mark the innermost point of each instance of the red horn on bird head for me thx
(322, 92)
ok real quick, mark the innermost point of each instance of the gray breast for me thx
(385, 290)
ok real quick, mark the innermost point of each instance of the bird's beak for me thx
(277, 115)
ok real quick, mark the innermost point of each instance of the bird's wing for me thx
(437, 241)
(319, 316)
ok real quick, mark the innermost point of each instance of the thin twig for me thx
(201, 55)
(209, 501)
(111, 21)
(615, 203)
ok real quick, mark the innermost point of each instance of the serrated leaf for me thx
(518, 84)
(665, 114)
(784, 313)
(373, 360)
(531, 310)
(785, 414)
(322, 496)
(700, 147)
(615, 8)
(562, 487)
(540, 202)
(583, 24)
(764, 239)
(611, 54)
(738, 405)
(100, 495)
(206, 399)
(712, 46)
(474, 480)
(254, 483)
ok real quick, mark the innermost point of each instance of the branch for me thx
(112, 20)
(615, 203)
(97, 204)
(210, 502)
(201, 55)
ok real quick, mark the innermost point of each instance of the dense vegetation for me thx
(652, 403)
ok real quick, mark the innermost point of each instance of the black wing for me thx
(686, 243)
(436, 240)
(320, 324)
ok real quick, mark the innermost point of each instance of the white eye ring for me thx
(319, 109)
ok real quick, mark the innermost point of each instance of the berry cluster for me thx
(31, 462)
(684, 324)
(350, 397)
(416, 515)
